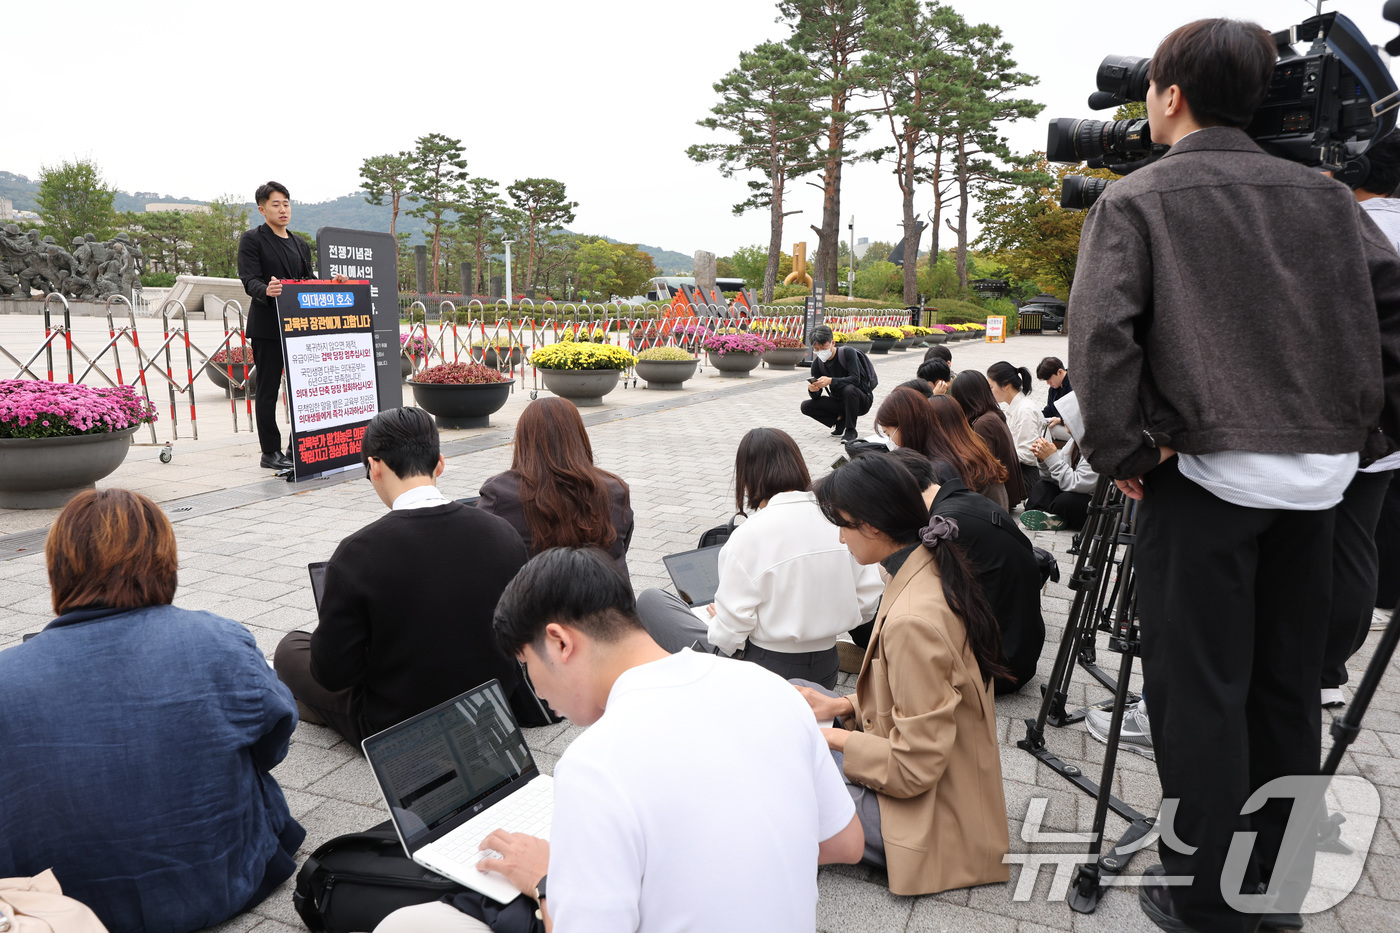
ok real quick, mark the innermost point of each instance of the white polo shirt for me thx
(696, 803)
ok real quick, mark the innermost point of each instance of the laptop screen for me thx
(695, 574)
(438, 768)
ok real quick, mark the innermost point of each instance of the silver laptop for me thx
(695, 574)
(454, 774)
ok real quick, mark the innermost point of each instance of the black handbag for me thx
(718, 534)
(354, 881)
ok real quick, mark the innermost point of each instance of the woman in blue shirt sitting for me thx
(138, 738)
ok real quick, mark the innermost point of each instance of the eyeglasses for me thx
(367, 460)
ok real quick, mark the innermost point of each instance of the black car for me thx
(1052, 316)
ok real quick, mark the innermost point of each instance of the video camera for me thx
(1324, 108)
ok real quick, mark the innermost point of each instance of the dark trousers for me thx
(1388, 549)
(267, 357)
(1047, 496)
(845, 404)
(1354, 571)
(342, 710)
(1234, 606)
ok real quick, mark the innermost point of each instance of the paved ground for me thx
(676, 451)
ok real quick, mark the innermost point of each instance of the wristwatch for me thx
(540, 896)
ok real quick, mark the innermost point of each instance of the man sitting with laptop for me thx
(392, 640)
(639, 840)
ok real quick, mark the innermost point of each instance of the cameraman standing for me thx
(1201, 275)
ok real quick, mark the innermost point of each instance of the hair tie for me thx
(938, 529)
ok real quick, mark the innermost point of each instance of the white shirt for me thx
(787, 583)
(1297, 482)
(420, 497)
(1024, 420)
(1386, 213)
(696, 803)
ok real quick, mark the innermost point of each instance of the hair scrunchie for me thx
(937, 530)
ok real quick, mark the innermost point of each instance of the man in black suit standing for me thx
(267, 254)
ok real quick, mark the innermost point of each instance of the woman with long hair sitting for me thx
(787, 585)
(553, 494)
(936, 428)
(917, 741)
(140, 738)
(1011, 387)
(988, 422)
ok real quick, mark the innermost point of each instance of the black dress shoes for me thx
(1156, 901)
(275, 461)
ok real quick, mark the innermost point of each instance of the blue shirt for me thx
(135, 747)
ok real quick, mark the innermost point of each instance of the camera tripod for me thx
(1103, 601)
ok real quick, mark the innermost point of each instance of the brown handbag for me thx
(38, 905)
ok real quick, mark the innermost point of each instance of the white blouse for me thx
(1025, 422)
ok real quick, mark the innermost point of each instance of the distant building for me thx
(7, 210)
(180, 208)
(862, 245)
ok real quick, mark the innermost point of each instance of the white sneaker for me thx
(1135, 736)
(1380, 618)
(1333, 697)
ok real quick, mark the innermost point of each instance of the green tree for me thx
(831, 35)
(387, 177)
(750, 264)
(165, 237)
(766, 106)
(74, 199)
(632, 268)
(215, 236)
(544, 207)
(481, 212)
(438, 175)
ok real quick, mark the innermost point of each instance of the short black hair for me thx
(406, 439)
(821, 334)
(1223, 66)
(1048, 367)
(918, 385)
(576, 586)
(1384, 175)
(935, 370)
(939, 352)
(767, 462)
(919, 466)
(264, 192)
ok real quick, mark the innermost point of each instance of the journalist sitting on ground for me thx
(1238, 488)
(1051, 371)
(917, 741)
(1002, 559)
(937, 373)
(1011, 387)
(701, 795)
(1060, 499)
(939, 352)
(787, 585)
(552, 494)
(839, 392)
(988, 422)
(911, 420)
(388, 646)
(140, 738)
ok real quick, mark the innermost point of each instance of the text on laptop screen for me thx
(447, 762)
(695, 574)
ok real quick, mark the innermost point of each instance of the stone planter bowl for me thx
(904, 343)
(861, 345)
(935, 338)
(784, 357)
(735, 365)
(488, 357)
(461, 406)
(218, 374)
(882, 345)
(45, 472)
(405, 366)
(666, 375)
(584, 387)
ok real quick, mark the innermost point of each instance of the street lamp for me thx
(510, 289)
(851, 266)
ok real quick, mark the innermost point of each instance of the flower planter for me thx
(666, 375)
(461, 406)
(861, 345)
(904, 343)
(882, 344)
(584, 387)
(784, 358)
(487, 356)
(218, 374)
(405, 366)
(735, 365)
(935, 338)
(45, 472)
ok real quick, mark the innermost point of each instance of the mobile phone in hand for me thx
(812, 379)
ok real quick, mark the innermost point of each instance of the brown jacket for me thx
(1229, 300)
(927, 741)
(996, 434)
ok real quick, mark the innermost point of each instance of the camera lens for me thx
(1072, 140)
(1080, 192)
(1124, 76)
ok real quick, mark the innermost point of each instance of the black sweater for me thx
(406, 615)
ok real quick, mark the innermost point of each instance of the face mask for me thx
(824, 355)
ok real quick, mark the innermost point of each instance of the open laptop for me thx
(454, 774)
(696, 576)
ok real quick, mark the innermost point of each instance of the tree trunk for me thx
(479, 269)
(394, 215)
(911, 239)
(436, 240)
(775, 234)
(964, 186)
(530, 264)
(828, 236)
(937, 219)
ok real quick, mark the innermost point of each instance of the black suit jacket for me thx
(1006, 567)
(260, 258)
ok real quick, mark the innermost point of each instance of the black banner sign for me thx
(372, 257)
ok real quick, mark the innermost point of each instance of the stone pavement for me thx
(676, 451)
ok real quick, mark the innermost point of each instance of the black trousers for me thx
(845, 404)
(1355, 568)
(1388, 549)
(1047, 496)
(342, 710)
(267, 357)
(1234, 604)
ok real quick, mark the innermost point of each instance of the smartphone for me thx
(812, 379)
(839, 462)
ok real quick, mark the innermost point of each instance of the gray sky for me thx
(603, 95)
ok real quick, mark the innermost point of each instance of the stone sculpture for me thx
(94, 270)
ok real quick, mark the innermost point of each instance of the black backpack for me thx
(863, 370)
(354, 881)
